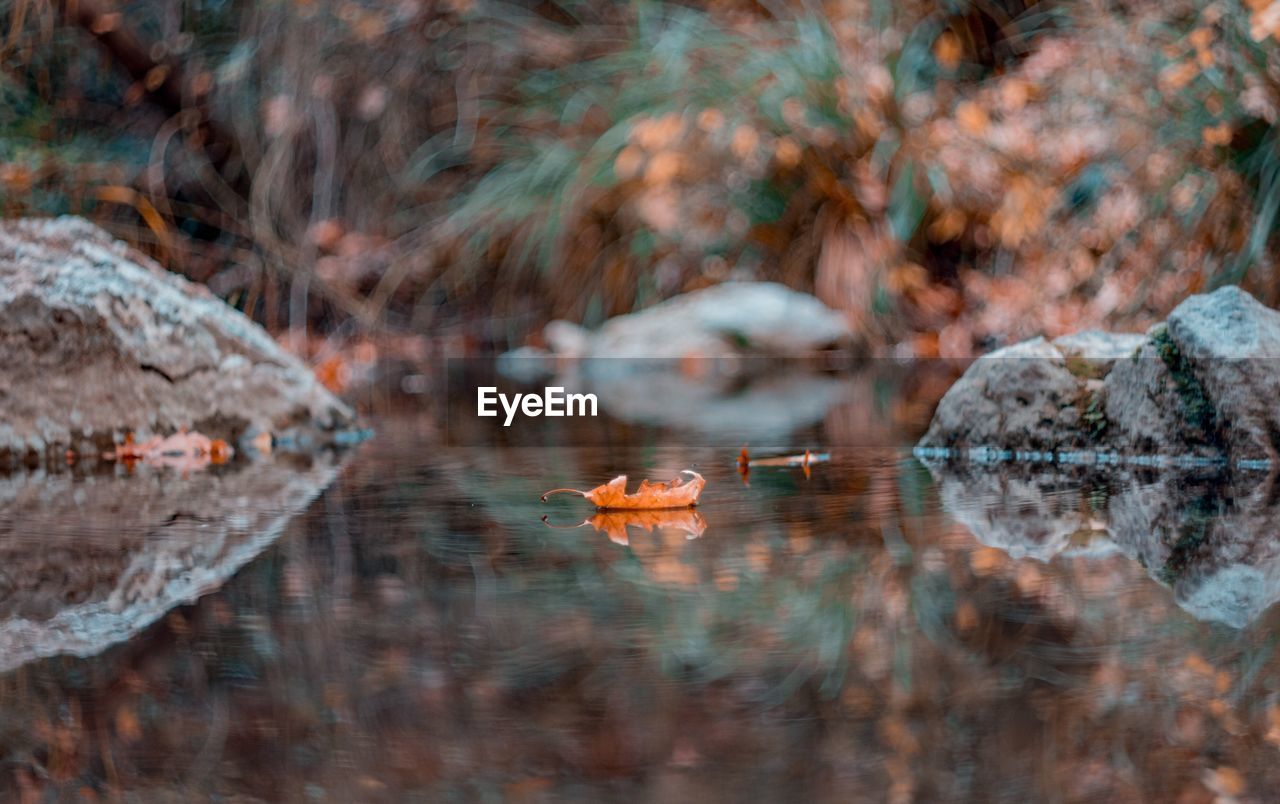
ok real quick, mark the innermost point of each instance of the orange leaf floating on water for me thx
(614, 524)
(613, 496)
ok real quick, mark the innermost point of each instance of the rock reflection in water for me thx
(1209, 537)
(90, 561)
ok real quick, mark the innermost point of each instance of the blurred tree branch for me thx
(161, 80)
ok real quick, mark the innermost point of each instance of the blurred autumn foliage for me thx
(951, 174)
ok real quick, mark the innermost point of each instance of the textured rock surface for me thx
(1020, 397)
(1095, 352)
(1208, 379)
(1232, 343)
(98, 340)
(1204, 383)
(1144, 412)
(89, 562)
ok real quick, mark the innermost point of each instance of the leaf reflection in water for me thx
(614, 524)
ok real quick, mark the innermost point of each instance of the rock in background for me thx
(97, 341)
(738, 360)
(730, 320)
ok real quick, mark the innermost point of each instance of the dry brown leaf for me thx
(678, 493)
(1216, 135)
(948, 50)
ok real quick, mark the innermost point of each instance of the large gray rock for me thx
(97, 340)
(719, 362)
(1023, 397)
(1207, 379)
(1232, 344)
(1202, 385)
(1197, 397)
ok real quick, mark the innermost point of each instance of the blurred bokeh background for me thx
(382, 181)
(950, 174)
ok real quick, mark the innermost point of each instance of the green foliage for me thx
(56, 143)
(1197, 515)
(1095, 415)
(559, 137)
(1196, 405)
(1217, 67)
(906, 205)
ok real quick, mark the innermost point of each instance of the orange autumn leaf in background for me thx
(612, 496)
(614, 524)
(333, 373)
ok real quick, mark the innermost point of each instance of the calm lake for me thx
(400, 624)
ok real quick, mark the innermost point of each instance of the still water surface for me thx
(416, 631)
